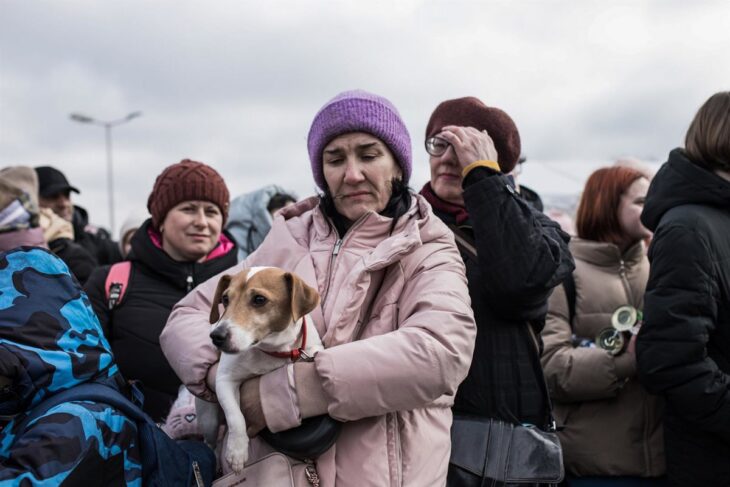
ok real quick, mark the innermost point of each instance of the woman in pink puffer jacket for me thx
(395, 314)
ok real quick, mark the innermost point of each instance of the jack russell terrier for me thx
(264, 326)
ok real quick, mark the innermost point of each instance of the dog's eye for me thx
(258, 300)
(224, 300)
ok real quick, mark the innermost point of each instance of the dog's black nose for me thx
(219, 336)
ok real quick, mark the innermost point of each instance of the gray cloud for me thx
(236, 84)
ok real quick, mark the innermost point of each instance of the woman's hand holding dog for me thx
(251, 407)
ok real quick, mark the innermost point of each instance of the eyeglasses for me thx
(436, 146)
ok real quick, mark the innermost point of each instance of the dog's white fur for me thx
(235, 368)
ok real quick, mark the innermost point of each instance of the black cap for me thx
(51, 181)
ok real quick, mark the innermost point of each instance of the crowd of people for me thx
(469, 338)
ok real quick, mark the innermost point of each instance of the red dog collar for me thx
(297, 353)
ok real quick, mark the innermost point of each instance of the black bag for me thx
(307, 441)
(165, 462)
(490, 452)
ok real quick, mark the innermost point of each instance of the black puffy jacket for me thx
(522, 256)
(77, 258)
(156, 284)
(683, 349)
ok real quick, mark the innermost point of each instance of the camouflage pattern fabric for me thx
(50, 340)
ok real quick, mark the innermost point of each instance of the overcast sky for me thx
(236, 84)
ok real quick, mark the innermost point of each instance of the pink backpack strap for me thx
(117, 282)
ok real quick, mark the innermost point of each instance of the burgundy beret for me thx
(471, 112)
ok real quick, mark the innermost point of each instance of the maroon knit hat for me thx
(187, 180)
(471, 112)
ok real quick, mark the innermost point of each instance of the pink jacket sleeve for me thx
(428, 356)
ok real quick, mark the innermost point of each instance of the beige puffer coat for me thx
(611, 424)
(390, 374)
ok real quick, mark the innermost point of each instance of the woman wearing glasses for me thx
(514, 256)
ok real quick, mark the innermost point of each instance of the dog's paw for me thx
(237, 453)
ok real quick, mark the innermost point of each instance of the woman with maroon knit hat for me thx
(180, 246)
(514, 256)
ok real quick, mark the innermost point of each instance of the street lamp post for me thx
(77, 117)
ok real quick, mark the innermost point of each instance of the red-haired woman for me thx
(612, 429)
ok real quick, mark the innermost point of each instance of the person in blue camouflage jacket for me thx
(50, 340)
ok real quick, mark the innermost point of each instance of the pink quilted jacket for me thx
(396, 321)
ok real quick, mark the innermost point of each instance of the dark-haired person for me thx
(611, 431)
(55, 193)
(394, 313)
(179, 247)
(520, 256)
(252, 214)
(683, 348)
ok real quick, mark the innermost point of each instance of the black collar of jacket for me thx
(154, 260)
(681, 182)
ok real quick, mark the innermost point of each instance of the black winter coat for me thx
(156, 284)
(683, 349)
(96, 241)
(77, 258)
(522, 256)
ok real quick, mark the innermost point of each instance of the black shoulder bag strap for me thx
(466, 245)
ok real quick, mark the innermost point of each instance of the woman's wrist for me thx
(312, 398)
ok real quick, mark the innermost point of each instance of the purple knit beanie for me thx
(358, 111)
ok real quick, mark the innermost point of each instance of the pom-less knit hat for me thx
(358, 111)
(24, 178)
(185, 181)
(471, 112)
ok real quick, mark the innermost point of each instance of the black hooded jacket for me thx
(156, 284)
(683, 349)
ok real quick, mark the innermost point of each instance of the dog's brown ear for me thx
(222, 286)
(303, 298)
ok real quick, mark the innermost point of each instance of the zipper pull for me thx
(336, 250)
(190, 283)
(198, 476)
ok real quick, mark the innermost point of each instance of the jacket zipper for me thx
(189, 281)
(398, 452)
(330, 269)
(335, 252)
(198, 476)
(396, 474)
(625, 281)
(649, 467)
(645, 405)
